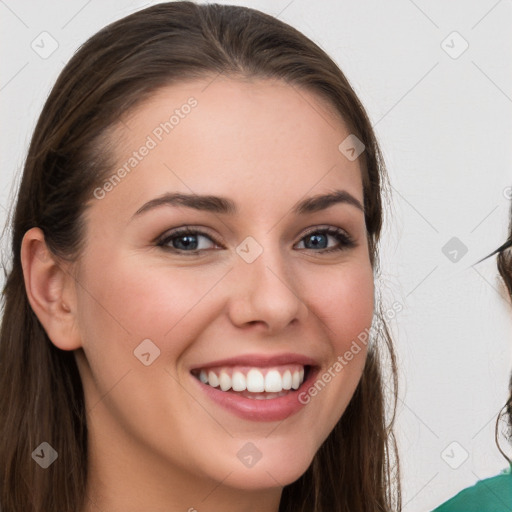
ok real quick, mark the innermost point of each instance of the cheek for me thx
(344, 301)
(127, 302)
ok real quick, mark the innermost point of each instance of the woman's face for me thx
(269, 281)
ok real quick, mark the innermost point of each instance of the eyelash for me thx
(345, 241)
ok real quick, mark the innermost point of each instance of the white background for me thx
(445, 127)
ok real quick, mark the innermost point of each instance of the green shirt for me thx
(489, 495)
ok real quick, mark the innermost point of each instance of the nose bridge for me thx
(267, 290)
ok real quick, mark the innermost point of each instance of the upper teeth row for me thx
(253, 381)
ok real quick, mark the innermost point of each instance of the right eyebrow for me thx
(208, 203)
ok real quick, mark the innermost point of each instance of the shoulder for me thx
(489, 495)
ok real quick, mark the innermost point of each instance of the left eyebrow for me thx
(321, 202)
(224, 205)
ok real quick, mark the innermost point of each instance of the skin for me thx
(157, 442)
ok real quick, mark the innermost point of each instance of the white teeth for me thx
(273, 382)
(213, 380)
(287, 379)
(295, 380)
(255, 381)
(224, 381)
(238, 381)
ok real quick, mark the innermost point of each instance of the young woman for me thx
(491, 494)
(189, 322)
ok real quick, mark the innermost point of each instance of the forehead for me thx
(251, 139)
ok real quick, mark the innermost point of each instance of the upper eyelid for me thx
(326, 227)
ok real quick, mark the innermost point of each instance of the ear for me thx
(50, 290)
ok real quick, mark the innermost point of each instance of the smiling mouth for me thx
(254, 382)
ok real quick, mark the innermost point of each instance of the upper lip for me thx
(259, 360)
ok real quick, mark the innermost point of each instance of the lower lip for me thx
(272, 409)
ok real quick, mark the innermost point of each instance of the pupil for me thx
(189, 242)
(317, 240)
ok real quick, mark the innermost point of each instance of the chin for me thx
(265, 478)
(272, 465)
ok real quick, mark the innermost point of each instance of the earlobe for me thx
(50, 290)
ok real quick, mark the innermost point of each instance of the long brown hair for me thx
(41, 396)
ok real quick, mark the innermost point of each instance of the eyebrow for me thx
(223, 205)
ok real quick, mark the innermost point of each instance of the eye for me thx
(320, 238)
(187, 240)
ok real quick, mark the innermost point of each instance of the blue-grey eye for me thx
(187, 241)
(319, 239)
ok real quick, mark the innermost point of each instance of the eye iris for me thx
(188, 242)
(318, 240)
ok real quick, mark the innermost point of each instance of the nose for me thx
(266, 293)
